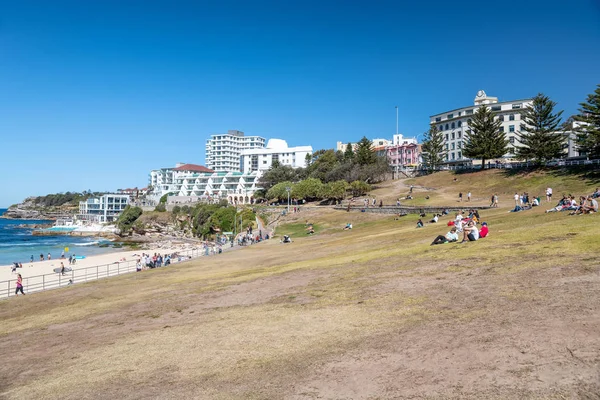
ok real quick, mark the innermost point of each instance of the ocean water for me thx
(17, 244)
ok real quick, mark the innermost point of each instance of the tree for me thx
(433, 150)
(279, 191)
(276, 174)
(309, 189)
(127, 218)
(588, 131)
(360, 188)
(484, 140)
(335, 190)
(539, 133)
(349, 153)
(323, 161)
(364, 152)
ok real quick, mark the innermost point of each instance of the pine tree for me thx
(539, 134)
(433, 149)
(364, 152)
(484, 140)
(588, 133)
(349, 153)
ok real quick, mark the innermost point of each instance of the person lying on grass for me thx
(451, 236)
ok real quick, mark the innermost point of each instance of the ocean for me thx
(17, 244)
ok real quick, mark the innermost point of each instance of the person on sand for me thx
(19, 285)
(49, 256)
(451, 236)
(471, 233)
(62, 268)
(41, 257)
(32, 258)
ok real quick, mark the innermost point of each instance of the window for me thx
(459, 135)
(453, 156)
(496, 108)
(517, 106)
(501, 117)
(459, 146)
(447, 127)
(459, 113)
(446, 146)
(452, 135)
(511, 117)
(453, 146)
(441, 127)
(459, 124)
(438, 119)
(469, 112)
(459, 155)
(511, 128)
(511, 140)
(446, 136)
(450, 116)
(453, 126)
(501, 129)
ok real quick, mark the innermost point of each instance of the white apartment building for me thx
(454, 124)
(340, 146)
(223, 150)
(260, 160)
(189, 183)
(103, 209)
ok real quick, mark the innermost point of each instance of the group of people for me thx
(585, 205)
(465, 225)
(157, 260)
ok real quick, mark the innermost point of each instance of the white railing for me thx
(37, 283)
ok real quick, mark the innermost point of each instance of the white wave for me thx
(86, 244)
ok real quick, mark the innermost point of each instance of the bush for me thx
(127, 219)
(160, 207)
(176, 210)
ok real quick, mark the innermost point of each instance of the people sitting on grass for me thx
(435, 219)
(286, 239)
(348, 226)
(451, 236)
(566, 203)
(590, 206)
(419, 223)
(470, 232)
(596, 193)
(483, 232)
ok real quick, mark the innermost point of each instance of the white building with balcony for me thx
(260, 160)
(454, 124)
(190, 183)
(223, 150)
(103, 209)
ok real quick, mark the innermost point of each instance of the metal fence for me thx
(37, 283)
(506, 165)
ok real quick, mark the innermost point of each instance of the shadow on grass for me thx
(588, 172)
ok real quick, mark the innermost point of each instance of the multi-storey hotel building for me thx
(103, 209)
(454, 124)
(188, 183)
(223, 150)
(260, 160)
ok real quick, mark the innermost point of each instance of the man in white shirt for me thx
(549, 194)
(471, 233)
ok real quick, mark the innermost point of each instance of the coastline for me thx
(38, 268)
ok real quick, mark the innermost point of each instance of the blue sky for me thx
(94, 94)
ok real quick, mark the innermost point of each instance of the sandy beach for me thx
(40, 274)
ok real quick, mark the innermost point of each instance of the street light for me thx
(288, 190)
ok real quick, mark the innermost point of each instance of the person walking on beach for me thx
(19, 285)
(41, 257)
(49, 256)
(32, 258)
(62, 268)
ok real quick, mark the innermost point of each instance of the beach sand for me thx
(39, 274)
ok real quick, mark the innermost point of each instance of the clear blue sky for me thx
(96, 93)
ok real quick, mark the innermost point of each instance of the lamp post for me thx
(288, 190)
(396, 120)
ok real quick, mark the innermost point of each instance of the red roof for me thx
(193, 168)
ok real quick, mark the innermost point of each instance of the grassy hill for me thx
(375, 312)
